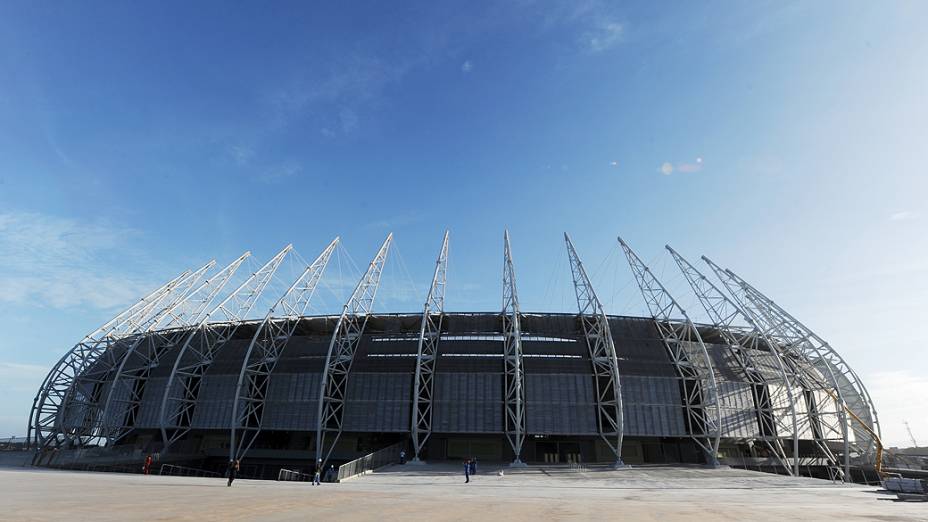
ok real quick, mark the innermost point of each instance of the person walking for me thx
(233, 471)
(317, 473)
(402, 456)
(466, 471)
(473, 466)
(146, 468)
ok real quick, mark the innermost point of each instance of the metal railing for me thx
(14, 444)
(293, 475)
(184, 471)
(377, 459)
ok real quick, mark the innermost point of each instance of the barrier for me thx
(377, 459)
(184, 471)
(285, 475)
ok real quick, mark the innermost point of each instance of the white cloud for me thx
(898, 398)
(58, 262)
(904, 215)
(668, 168)
(467, 67)
(604, 35)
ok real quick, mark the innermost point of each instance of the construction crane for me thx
(911, 437)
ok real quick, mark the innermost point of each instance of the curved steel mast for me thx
(610, 419)
(199, 351)
(264, 351)
(342, 347)
(124, 400)
(770, 398)
(689, 356)
(427, 352)
(514, 386)
(87, 392)
(45, 419)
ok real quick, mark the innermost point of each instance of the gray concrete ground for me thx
(438, 492)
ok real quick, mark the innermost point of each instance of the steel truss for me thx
(127, 388)
(689, 356)
(514, 386)
(772, 399)
(338, 360)
(45, 421)
(87, 393)
(610, 421)
(427, 353)
(835, 383)
(199, 351)
(849, 386)
(264, 351)
(824, 413)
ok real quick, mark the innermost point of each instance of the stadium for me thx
(187, 375)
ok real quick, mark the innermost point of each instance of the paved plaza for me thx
(438, 492)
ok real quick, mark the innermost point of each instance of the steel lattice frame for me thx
(854, 393)
(264, 351)
(824, 413)
(773, 400)
(45, 421)
(96, 377)
(427, 352)
(798, 340)
(514, 385)
(689, 356)
(338, 360)
(610, 420)
(121, 409)
(200, 349)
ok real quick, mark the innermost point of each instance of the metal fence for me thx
(377, 459)
(293, 475)
(14, 444)
(184, 471)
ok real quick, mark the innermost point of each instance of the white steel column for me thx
(264, 351)
(427, 353)
(338, 361)
(689, 356)
(514, 386)
(743, 344)
(608, 389)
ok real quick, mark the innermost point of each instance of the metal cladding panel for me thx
(214, 409)
(229, 358)
(292, 402)
(639, 347)
(724, 363)
(150, 406)
(468, 403)
(652, 406)
(766, 365)
(560, 404)
(378, 402)
(739, 415)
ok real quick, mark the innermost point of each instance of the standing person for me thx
(146, 468)
(466, 471)
(402, 456)
(473, 466)
(233, 471)
(317, 473)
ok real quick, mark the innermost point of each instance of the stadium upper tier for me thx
(185, 371)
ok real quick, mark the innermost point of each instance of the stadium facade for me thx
(183, 373)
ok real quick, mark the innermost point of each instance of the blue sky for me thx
(784, 140)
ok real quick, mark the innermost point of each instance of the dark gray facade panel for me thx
(292, 402)
(378, 402)
(468, 403)
(652, 406)
(214, 409)
(150, 405)
(739, 417)
(560, 404)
